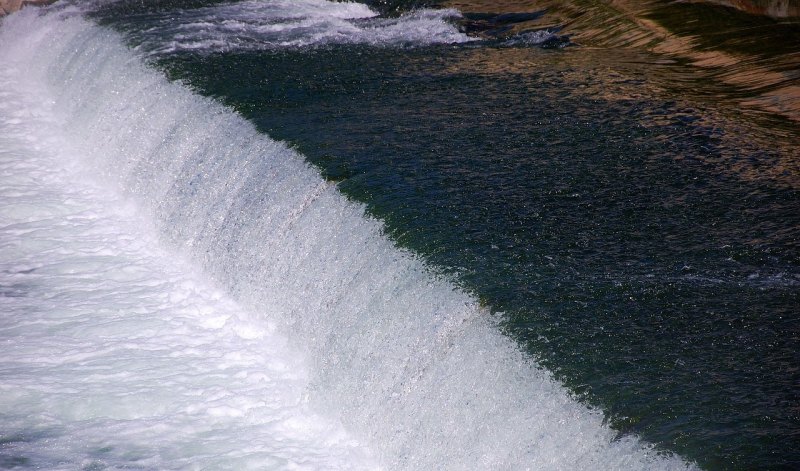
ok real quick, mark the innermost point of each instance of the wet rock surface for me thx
(10, 6)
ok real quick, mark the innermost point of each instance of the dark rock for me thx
(494, 25)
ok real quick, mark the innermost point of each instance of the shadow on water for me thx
(15, 448)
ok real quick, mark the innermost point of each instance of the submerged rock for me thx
(746, 47)
(494, 25)
(513, 29)
(771, 8)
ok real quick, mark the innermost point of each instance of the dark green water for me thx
(640, 236)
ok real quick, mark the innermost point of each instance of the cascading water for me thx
(115, 355)
(413, 367)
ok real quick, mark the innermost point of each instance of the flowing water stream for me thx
(303, 235)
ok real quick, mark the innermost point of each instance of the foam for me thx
(116, 354)
(293, 24)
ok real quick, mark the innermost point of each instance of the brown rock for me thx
(10, 6)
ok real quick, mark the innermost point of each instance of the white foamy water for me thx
(175, 374)
(114, 354)
(279, 24)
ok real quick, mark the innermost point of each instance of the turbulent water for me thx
(116, 355)
(503, 257)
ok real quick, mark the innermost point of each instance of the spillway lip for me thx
(409, 364)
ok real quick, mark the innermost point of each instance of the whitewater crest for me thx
(293, 24)
(412, 367)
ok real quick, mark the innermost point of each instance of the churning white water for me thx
(280, 24)
(118, 353)
(114, 354)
